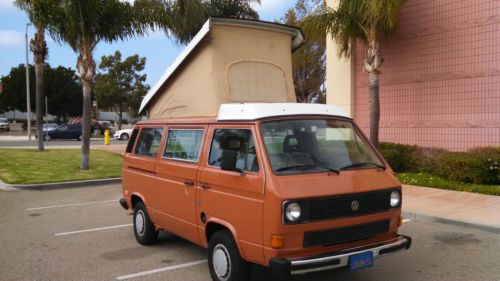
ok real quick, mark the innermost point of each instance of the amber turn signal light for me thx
(277, 242)
(400, 222)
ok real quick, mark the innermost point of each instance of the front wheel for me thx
(224, 260)
(79, 138)
(144, 230)
(124, 137)
(47, 138)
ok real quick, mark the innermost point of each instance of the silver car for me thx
(4, 124)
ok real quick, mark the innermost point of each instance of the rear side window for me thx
(183, 144)
(149, 141)
(239, 140)
(131, 141)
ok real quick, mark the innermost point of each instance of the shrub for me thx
(477, 166)
(427, 159)
(401, 157)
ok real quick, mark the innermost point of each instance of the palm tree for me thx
(38, 46)
(82, 24)
(369, 21)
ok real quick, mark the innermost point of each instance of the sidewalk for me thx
(115, 148)
(432, 204)
(33, 139)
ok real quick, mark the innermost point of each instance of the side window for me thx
(149, 141)
(239, 140)
(63, 128)
(183, 144)
(131, 141)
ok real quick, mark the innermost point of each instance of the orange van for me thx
(294, 187)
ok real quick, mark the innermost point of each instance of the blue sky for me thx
(157, 48)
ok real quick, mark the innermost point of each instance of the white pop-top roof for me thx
(254, 111)
(297, 40)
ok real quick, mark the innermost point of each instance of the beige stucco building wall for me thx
(339, 76)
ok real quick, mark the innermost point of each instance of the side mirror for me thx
(228, 161)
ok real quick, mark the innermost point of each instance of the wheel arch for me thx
(136, 198)
(215, 224)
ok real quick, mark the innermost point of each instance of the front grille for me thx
(345, 234)
(340, 206)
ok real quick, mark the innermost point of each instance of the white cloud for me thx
(6, 5)
(11, 38)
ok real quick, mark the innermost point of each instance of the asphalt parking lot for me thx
(83, 234)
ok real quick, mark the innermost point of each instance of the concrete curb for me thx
(59, 185)
(431, 218)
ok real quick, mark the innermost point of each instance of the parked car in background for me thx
(4, 124)
(49, 127)
(64, 131)
(123, 134)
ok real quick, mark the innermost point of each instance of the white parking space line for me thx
(153, 271)
(406, 220)
(92, 229)
(70, 205)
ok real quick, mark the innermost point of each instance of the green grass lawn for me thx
(423, 179)
(28, 166)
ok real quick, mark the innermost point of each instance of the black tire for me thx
(47, 138)
(223, 249)
(144, 230)
(79, 138)
(124, 137)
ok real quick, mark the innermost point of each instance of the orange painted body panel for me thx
(249, 205)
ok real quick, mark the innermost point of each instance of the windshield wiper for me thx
(354, 165)
(305, 166)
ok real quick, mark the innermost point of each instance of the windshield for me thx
(308, 146)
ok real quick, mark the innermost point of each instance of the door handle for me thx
(188, 182)
(142, 170)
(204, 186)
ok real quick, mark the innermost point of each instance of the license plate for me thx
(361, 261)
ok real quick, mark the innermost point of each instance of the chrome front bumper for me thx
(287, 267)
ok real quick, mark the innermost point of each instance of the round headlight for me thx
(293, 211)
(395, 198)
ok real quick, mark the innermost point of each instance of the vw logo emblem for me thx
(354, 205)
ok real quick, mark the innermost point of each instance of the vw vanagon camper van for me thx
(295, 187)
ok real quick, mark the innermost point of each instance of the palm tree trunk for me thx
(374, 107)
(86, 67)
(39, 48)
(87, 105)
(39, 103)
(373, 64)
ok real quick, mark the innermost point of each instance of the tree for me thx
(369, 21)
(64, 92)
(61, 86)
(83, 24)
(38, 46)
(13, 95)
(308, 62)
(184, 18)
(121, 85)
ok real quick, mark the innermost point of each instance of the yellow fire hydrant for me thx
(106, 137)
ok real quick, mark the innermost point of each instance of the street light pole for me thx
(28, 104)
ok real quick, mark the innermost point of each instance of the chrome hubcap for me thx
(139, 223)
(221, 262)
